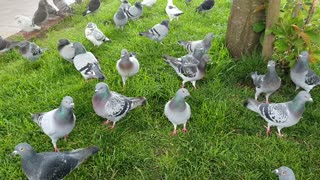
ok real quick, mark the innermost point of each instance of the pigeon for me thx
(57, 123)
(125, 5)
(284, 173)
(113, 106)
(172, 10)
(93, 6)
(267, 83)
(41, 15)
(52, 12)
(190, 67)
(178, 111)
(158, 32)
(127, 65)
(120, 18)
(6, 45)
(30, 50)
(51, 165)
(63, 7)
(94, 34)
(148, 3)
(191, 45)
(66, 49)
(280, 114)
(25, 23)
(134, 12)
(86, 63)
(301, 74)
(206, 5)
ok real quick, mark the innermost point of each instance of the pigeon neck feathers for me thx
(64, 115)
(178, 103)
(301, 66)
(297, 105)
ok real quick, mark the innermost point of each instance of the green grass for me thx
(225, 140)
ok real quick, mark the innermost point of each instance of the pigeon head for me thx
(271, 64)
(67, 102)
(284, 173)
(208, 37)
(101, 88)
(79, 48)
(183, 92)
(304, 96)
(138, 5)
(63, 42)
(165, 23)
(124, 53)
(304, 56)
(91, 25)
(23, 149)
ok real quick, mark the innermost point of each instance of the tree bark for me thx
(241, 38)
(273, 12)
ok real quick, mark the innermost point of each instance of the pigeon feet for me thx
(185, 130)
(111, 127)
(56, 149)
(106, 122)
(65, 137)
(268, 130)
(280, 134)
(174, 132)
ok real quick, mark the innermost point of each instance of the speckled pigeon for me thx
(51, 165)
(280, 114)
(30, 50)
(113, 106)
(172, 11)
(94, 34)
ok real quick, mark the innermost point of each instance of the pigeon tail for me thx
(83, 153)
(252, 105)
(138, 101)
(147, 33)
(107, 40)
(85, 13)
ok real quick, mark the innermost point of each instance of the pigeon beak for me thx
(276, 171)
(311, 100)
(72, 104)
(96, 90)
(14, 153)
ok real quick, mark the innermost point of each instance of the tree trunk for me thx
(273, 12)
(241, 38)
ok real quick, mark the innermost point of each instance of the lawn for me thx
(225, 140)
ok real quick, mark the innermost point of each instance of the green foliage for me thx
(297, 30)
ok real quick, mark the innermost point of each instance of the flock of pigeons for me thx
(113, 106)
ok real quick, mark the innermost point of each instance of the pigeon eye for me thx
(22, 149)
(284, 173)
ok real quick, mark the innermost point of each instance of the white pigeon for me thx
(281, 115)
(86, 63)
(172, 10)
(113, 106)
(158, 32)
(127, 65)
(25, 23)
(94, 34)
(178, 111)
(57, 123)
(148, 3)
(190, 68)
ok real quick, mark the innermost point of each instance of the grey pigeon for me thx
(280, 114)
(6, 45)
(206, 5)
(127, 65)
(30, 50)
(178, 111)
(172, 11)
(191, 45)
(134, 12)
(158, 32)
(66, 49)
(301, 74)
(57, 123)
(267, 83)
(86, 63)
(25, 23)
(94, 34)
(51, 165)
(148, 3)
(63, 7)
(120, 18)
(190, 67)
(125, 5)
(41, 15)
(52, 12)
(113, 106)
(285, 173)
(93, 6)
